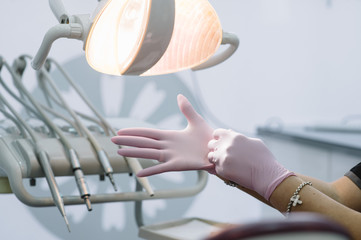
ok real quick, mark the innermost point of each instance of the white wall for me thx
(297, 60)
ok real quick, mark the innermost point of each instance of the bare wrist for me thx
(281, 195)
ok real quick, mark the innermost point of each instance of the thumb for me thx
(187, 109)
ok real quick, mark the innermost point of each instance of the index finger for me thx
(135, 141)
(142, 132)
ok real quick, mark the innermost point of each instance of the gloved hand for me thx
(246, 161)
(177, 150)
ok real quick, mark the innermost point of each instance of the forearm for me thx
(315, 201)
(343, 190)
(349, 194)
(322, 186)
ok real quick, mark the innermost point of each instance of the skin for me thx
(338, 200)
(316, 201)
(343, 190)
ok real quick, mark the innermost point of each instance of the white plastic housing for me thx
(196, 37)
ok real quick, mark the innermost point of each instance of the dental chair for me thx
(297, 226)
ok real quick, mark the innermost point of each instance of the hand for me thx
(176, 150)
(246, 161)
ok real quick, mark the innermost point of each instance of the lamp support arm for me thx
(72, 30)
(59, 11)
(228, 38)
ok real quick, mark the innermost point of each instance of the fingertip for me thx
(210, 157)
(187, 109)
(211, 144)
(124, 131)
(218, 132)
(141, 174)
(182, 101)
(180, 97)
(119, 132)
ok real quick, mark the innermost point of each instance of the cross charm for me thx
(296, 200)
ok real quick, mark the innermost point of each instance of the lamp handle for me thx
(227, 38)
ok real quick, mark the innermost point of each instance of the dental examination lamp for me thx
(143, 37)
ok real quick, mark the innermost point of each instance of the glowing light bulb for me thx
(116, 35)
(152, 37)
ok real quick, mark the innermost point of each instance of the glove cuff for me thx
(272, 186)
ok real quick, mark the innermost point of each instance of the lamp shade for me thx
(152, 37)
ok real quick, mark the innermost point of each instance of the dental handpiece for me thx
(103, 159)
(50, 178)
(79, 177)
(44, 163)
(78, 173)
(133, 163)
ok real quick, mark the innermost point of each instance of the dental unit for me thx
(20, 160)
(121, 37)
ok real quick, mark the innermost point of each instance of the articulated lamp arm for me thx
(59, 11)
(72, 30)
(74, 27)
(227, 38)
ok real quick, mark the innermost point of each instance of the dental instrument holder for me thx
(132, 162)
(19, 161)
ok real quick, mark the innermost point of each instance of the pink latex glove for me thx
(177, 150)
(246, 161)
